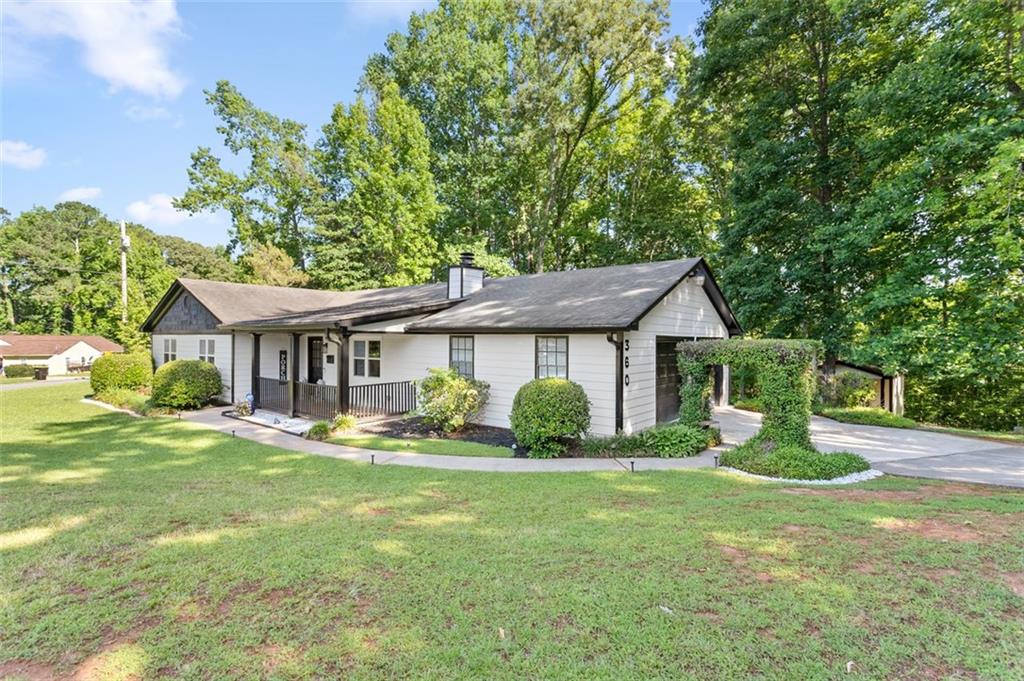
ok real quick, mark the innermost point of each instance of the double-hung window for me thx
(366, 358)
(206, 352)
(552, 357)
(170, 349)
(460, 355)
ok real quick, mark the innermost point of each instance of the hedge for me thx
(186, 384)
(449, 401)
(673, 440)
(785, 370)
(121, 370)
(868, 416)
(547, 414)
(19, 370)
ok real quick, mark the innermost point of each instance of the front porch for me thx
(314, 377)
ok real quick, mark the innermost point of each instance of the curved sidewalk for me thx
(213, 418)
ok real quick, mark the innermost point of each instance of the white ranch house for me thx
(610, 329)
(59, 354)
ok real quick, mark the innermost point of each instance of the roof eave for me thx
(272, 325)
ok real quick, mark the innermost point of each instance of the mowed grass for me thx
(146, 548)
(419, 445)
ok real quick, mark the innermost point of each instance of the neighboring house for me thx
(888, 388)
(59, 354)
(613, 330)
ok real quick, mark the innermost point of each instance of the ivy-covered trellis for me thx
(785, 370)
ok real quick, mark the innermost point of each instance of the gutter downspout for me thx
(617, 339)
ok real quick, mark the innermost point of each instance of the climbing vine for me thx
(785, 370)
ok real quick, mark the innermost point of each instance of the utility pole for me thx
(126, 243)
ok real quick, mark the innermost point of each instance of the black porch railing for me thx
(382, 399)
(321, 401)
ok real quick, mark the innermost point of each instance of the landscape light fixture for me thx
(631, 464)
(372, 457)
(716, 460)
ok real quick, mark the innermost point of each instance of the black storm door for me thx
(315, 356)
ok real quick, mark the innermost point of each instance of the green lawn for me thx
(153, 548)
(420, 445)
(17, 379)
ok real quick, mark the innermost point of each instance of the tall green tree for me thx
(197, 261)
(378, 205)
(270, 201)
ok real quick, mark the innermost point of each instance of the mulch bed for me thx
(416, 428)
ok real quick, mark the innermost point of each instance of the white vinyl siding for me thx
(685, 312)
(187, 346)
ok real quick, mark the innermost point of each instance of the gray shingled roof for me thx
(596, 299)
(600, 298)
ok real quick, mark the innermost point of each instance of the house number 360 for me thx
(625, 361)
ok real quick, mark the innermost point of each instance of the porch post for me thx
(254, 387)
(343, 388)
(293, 375)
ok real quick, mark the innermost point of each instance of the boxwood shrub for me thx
(319, 431)
(665, 441)
(548, 414)
(19, 370)
(121, 370)
(186, 384)
(788, 461)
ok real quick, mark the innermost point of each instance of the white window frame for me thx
(363, 358)
(170, 350)
(543, 346)
(207, 350)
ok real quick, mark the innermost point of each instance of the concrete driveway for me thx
(900, 451)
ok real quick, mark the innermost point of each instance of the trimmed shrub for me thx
(319, 431)
(788, 461)
(449, 401)
(186, 384)
(121, 370)
(19, 370)
(243, 409)
(547, 414)
(868, 416)
(344, 423)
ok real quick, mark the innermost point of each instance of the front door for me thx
(667, 380)
(315, 368)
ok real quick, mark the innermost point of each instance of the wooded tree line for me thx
(853, 169)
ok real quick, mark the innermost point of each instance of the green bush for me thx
(186, 384)
(845, 389)
(547, 414)
(664, 441)
(449, 401)
(788, 461)
(126, 398)
(344, 423)
(752, 404)
(868, 416)
(121, 370)
(19, 370)
(243, 409)
(319, 431)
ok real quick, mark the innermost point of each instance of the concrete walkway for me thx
(900, 451)
(214, 418)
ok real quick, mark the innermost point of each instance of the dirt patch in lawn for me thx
(416, 428)
(1014, 580)
(30, 671)
(930, 528)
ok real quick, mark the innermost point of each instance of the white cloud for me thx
(145, 112)
(125, 43)
(80, 194)
(21, 155)
(156, 209)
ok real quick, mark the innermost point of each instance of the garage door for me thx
(668, 380)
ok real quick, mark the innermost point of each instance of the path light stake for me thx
(716, 460)
(372, 457)
(232, 433)
(631, 469)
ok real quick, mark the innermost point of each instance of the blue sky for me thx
(103, 102)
